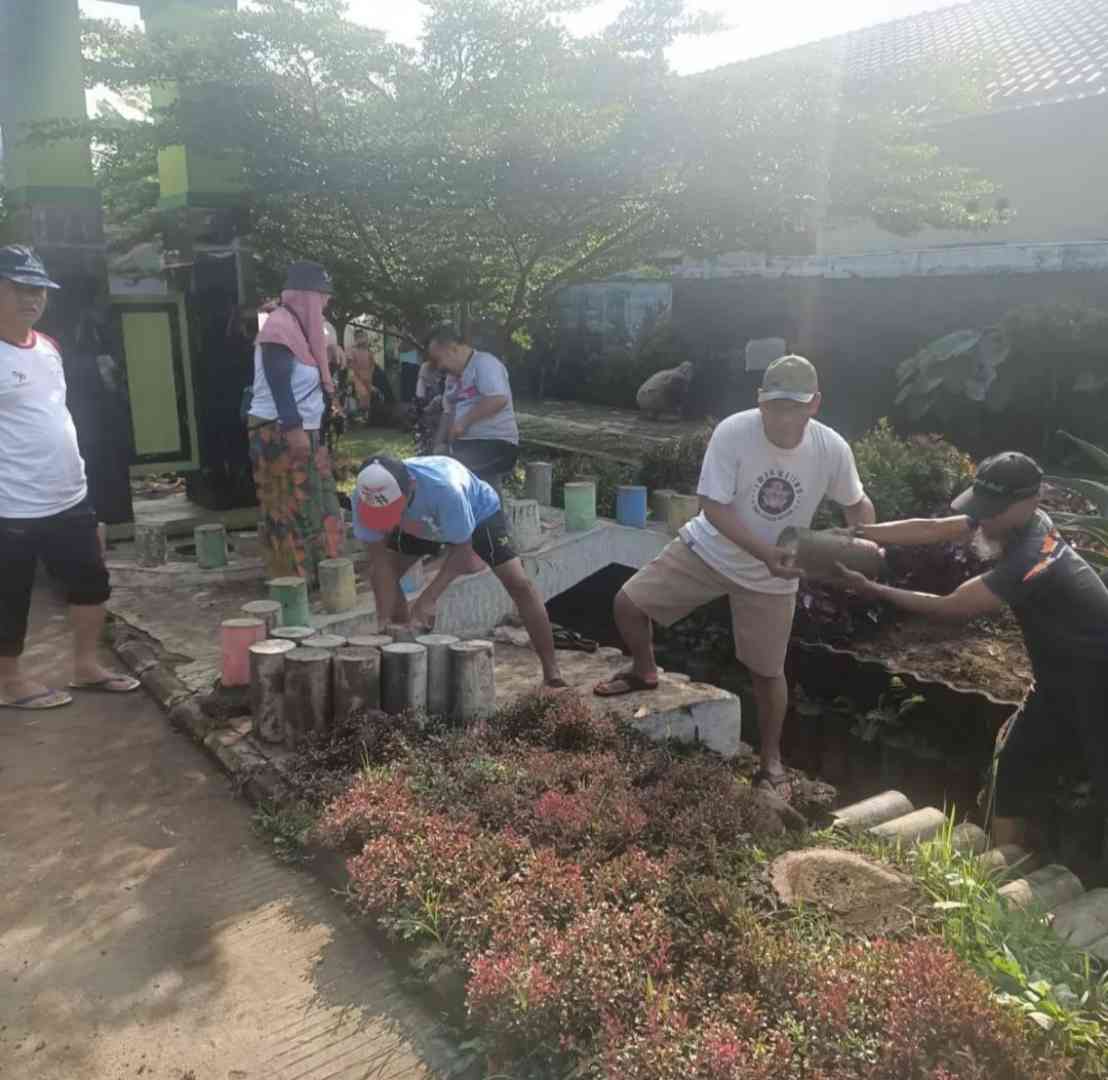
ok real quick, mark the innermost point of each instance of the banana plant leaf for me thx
(937, 353)
(1093, 490)
(1097, 454)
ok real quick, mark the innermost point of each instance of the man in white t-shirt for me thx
(44, 507)
(765, 469)
(478, 419)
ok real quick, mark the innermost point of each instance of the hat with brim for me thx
(306, 276)
(790, 378)
(21, 265)
(382, 494)
(1001, 482)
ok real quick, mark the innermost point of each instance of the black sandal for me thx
(573, 641)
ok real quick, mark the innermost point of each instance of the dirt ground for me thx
(987, 654)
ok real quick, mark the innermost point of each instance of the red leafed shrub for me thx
(377, 802)
(558, 987)
(588, 885)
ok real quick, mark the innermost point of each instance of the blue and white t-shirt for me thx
(448, 504)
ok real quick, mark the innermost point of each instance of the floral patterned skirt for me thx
(301, 520)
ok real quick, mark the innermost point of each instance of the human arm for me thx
(916, 531)
(860, 513)
(386, 586)
(460, 560)
(485, 407)
(277, 366)
(722, 517)
(971, 599)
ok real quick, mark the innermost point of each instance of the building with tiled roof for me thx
(1040, 131)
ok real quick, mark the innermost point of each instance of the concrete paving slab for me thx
(146, 931)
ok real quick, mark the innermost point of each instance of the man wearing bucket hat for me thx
(406, 510)
(45, 511)
(765, 469)
(1061, 605)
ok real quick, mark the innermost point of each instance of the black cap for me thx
(1001, 482)
(21, 265)
(308, 276)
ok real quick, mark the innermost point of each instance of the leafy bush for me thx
(1089, 532)
(607, 474)
(913, 477)
(676, 463)
(603, 897)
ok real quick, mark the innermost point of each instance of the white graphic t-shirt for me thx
(42, 472)
(484, 376)
(770, 489)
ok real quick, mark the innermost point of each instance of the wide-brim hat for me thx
(22, 265)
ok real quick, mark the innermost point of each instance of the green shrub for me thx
(676, 463)
(608, 475)
(913, 477)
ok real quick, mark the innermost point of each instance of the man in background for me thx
(478, 420)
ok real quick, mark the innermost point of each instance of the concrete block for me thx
(912, 828)
(875, 810)
(1048, 888)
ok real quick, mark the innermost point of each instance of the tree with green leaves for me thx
(506, 158)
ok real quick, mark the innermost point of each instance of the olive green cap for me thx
(792, 378)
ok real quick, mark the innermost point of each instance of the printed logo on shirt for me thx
(1052, 548)
(776, 493)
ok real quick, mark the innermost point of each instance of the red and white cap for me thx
(382, 493)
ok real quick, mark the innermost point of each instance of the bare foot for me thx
(20, 688)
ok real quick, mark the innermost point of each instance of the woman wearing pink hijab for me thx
(301, 521)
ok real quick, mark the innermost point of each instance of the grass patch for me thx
(286, 828)
(359, 442)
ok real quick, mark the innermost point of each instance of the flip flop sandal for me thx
(778, 783)
(632, 684)
(573, 641)
(114, 684)
(47, 699)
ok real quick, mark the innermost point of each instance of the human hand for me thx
(457, 431)
(300, 446)
(423, 611)
(853, 580)
(782, 564)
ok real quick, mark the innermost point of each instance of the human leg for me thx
(277, 481)
(667, 589)
(532, 611)
(18, 555)
(1025, 768)
(761, 624)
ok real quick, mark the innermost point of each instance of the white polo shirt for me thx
(41, 469)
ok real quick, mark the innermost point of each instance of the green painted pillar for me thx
(205, 224)
(53, 204)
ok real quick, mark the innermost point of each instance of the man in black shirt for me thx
(1062, 608)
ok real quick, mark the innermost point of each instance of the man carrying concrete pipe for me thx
(765, 469)
(406, 510)
(1062, 607)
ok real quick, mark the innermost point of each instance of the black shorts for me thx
(491, 540)
(487, 459)
(68, 546)
(1056, 730)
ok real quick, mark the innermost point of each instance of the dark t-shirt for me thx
(1060, 602)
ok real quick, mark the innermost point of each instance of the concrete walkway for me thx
(146, 931)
